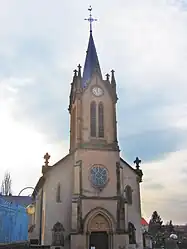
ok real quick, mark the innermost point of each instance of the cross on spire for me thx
(137, 162)
(90, 19)
(46, 157)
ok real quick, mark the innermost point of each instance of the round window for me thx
(99, 176)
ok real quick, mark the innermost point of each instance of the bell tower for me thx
(92, 105)
(97, 174)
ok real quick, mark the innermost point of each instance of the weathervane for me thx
(90, 19)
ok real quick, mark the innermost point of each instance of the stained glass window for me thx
(99, 176)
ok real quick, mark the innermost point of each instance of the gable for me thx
(97, 80)
(45, 171)
(124, 163)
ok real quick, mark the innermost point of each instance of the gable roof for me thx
(144, 222)
(41, 181)
(129, 166)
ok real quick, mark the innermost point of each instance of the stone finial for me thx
(139, 172)
(46, 157)
(137, 161)
(107, 77)
(79, 70)
(113, 80)
(75, 72)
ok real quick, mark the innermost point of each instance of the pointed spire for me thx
(78, 82)
(75, 74)
(91, 62)
(113, 81)
(79, 70)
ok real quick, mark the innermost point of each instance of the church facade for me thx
(91, 197)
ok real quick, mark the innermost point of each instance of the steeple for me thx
(91, 62)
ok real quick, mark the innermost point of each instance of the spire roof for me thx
(91, 62)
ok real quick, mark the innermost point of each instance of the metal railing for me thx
(13, 222)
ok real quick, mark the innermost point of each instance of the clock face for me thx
(97, 91)
(98, 176)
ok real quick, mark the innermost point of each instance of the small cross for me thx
(137, 162)
(90, 19)
(46, 157)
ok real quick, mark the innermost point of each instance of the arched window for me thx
(57, 235)
(132, 233)
(58, 199)
(101, 119)
(73, 128)
(93, 119)
(128, 192)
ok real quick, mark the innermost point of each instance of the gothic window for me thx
(128, 192)
(58, 194)
(58, 235)
(73, 127)
(93, 119)
(132, 233)
(101, 119)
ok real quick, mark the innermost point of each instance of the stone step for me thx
(39, 247)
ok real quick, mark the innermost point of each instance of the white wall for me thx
(134, 210)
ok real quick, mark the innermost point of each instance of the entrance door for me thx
(99, 240)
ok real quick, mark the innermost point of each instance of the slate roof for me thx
(91, 62)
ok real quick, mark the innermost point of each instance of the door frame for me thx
(109, 235)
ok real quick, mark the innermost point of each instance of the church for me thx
(90, 199)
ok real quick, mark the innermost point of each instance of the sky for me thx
(145, 42)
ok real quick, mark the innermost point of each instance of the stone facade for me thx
(92, 194)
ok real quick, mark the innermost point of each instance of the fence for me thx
(13, 222)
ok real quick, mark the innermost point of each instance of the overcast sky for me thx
(144, 41)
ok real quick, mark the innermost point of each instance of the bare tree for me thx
(6, 184)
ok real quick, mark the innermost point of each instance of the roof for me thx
(42, 178)
(20, 200)
(144, 222)
(128, 165)
(91, 62)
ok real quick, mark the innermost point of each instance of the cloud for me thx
(153, 145)
(153, 185)
(167, 173)
(145, 42)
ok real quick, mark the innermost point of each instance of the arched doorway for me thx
(99, 229)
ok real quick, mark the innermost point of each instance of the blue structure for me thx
(13, 222)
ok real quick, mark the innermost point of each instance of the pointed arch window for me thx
(93, 119)
(58, 199)
(132, 233)
(128, 192)
(58, 234)
(101, 119)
